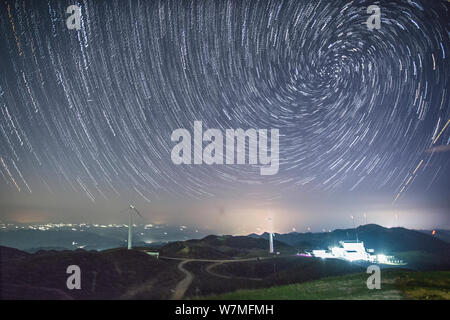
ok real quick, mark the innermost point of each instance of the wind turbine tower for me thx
(271, 236)
(271, 242)
(131, 210)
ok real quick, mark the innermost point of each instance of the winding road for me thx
(184, 284)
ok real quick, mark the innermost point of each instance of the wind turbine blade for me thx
(139, 214)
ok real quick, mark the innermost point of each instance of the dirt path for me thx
(184, 284)
(209, 267)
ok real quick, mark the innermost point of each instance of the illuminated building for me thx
(354, 250)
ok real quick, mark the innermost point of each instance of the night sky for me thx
(87, 116)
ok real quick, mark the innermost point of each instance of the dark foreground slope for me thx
(112, 274)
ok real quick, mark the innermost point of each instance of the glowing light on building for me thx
(354, 250)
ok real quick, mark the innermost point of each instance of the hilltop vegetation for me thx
(133, 274)
(383, 240)
(226, 277)
(111, 274)
(395, 284)
(222, 247)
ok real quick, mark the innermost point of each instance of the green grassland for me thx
(263, 273)
(395, 284)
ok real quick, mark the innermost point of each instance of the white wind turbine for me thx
(131, 210)
(271, 236)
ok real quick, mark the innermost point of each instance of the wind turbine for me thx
(131, 210)
(271, 236)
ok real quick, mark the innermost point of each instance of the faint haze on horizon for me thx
(236, 216)
(86, 116)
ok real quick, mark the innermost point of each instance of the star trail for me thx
(91, 111)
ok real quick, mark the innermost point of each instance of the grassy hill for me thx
(126, 274)
(395, 284)
(222, 247)
(111, 274)
(263, 273)
(444, 235)
(383, 240)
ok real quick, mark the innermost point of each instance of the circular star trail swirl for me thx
(92, 111)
